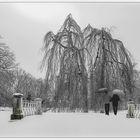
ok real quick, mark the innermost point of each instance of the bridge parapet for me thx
(22, 108)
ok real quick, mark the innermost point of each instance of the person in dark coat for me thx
(115, 99)
(29, 97)
(107, 102)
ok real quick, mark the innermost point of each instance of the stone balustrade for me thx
(133, 110)
(29, 108)
(22, 108)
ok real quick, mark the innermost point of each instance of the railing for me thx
(29, 107)
(22, 108)
(133, 110)
(137, 111)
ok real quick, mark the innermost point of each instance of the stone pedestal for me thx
(17, 106)
(131, 109)
(38, 106)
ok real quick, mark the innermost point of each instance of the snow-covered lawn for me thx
(69, 125)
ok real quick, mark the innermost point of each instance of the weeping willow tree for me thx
(109, 63)
(74, 58)
(65, 64)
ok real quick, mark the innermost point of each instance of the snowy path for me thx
(69, 125)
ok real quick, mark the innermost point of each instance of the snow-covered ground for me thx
(69, 125)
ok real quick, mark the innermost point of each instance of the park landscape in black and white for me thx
(69, 69)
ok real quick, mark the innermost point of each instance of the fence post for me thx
(17, 106)
(38, 106)
(131, 109)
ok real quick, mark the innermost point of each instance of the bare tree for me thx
(75, 59)
(28, 85)
(108, 60)
(7, 67)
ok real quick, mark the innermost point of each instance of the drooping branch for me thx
(72, 57)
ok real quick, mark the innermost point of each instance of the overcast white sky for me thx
(23, 26)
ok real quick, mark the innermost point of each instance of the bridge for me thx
(22, 108)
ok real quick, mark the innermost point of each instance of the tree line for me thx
(15, 79)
